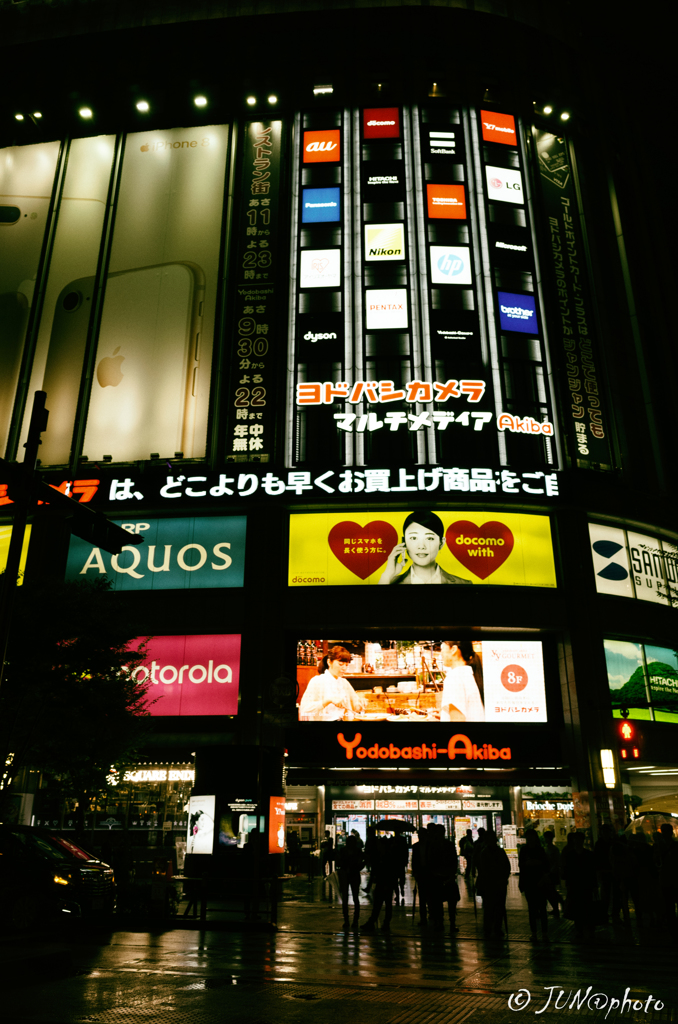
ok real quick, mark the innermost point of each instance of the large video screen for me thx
(421, 681)
(422, 547)
(643, 679)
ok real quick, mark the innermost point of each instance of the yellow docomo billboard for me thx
(423, 547)
(5, 536)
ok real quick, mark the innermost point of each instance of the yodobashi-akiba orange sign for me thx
(458, 746)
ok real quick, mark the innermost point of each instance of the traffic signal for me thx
(629, 741)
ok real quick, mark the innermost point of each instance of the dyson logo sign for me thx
(191, 675)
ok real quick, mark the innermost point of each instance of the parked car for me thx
(43, 876)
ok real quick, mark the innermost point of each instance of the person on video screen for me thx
(329, 697)
(461, 690)
(423, 539)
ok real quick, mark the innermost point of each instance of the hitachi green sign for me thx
(177, 554)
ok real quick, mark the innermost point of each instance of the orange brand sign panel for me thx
(446, 202)
(322, 147)
(276, 824)
(498, 127)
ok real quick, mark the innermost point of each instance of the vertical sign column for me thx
(251, 420)
(582, 390)
(462, 409)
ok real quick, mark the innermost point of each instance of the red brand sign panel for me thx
(446, 202)
(322, 147)
(192, 675)
(381, 123)
(276, 824)
(498, 127)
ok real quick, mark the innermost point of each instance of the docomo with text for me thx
(207, 673)
(459, 744)
(325, 392)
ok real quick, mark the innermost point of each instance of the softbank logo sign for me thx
(517, 312)
(381, 123)
(320, 268)
(384, 242)
(192, 675)
(498, 127)
(320, 205)
(322, 147)
(504, 185)
(450, 264)
(446, 202)
(385, 308)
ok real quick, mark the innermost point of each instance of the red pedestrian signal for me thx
(629, 741)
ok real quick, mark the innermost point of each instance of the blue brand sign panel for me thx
(320, 205)
(177, 554)
(517, 313)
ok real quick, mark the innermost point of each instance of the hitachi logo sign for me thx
(459, 745)
(320, 147)
(385, 252)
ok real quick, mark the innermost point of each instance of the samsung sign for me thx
(517, 312)
(177, 554)
(320, 205)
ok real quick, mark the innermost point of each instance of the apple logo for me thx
(108, 370)
(145, 148)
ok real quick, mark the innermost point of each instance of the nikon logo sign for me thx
(384, 242)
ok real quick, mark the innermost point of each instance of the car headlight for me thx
(60, 880)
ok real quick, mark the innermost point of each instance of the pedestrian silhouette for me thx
(534, 881)
(349, 861)
(494, 869)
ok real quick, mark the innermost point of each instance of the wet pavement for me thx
(312, 972)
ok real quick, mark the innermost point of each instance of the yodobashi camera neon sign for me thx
(458, 746)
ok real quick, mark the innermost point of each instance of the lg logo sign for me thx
(504, 184)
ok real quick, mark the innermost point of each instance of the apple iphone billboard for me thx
(450, 680)
(385, 308)
(320, 268)
(191, 675)
(200, 836)
(26, 182)
(60, 349)
(177, 554)
(150, 390)
(504, 185)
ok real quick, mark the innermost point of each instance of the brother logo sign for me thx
(517, 312)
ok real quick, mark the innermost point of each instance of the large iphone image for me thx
(145, 377)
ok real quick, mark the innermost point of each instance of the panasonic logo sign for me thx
(318, 206)
(319, 337)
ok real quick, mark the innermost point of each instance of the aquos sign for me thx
(459, 745)
(177, 554)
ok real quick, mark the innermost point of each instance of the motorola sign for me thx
(191, 675)
(517, 312)
(504, 185)
(450, 264)
(381, 123)
(322, 147)
(320, 205)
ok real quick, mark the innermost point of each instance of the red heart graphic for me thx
(480, 549)
(362, 549)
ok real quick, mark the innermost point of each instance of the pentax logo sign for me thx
(381, 123)
(322, 147)
(498, 127)
(458, 746)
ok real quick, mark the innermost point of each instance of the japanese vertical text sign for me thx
(582, 387)
(191, 675)
(255, 272)
(177, 554)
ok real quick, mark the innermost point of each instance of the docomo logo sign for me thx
(498, 127)
(322, 147)
(459, 744)
(524, 426)
(319, 337)
(192, 675)
(381, 123)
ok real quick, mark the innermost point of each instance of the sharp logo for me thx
(322, 147)
(319, 337)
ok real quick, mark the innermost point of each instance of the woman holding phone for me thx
(423, 539)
